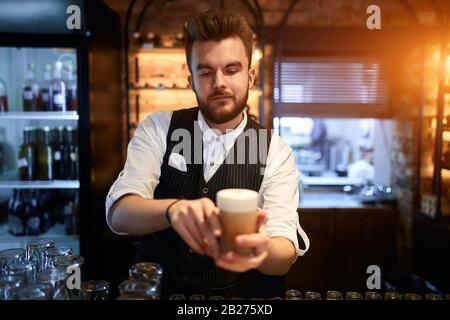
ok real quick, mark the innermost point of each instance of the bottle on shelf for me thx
(71, 154)
(72, 92)
(45, 155)
(151, 41)
(137, 40)
(30, 89)
(27, 157)
(16, 214)
(58, 89)
(69, 213)
(33, 214)
(58, 153)
(34, 141)
(3, 96)
(45, 99)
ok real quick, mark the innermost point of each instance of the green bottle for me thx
(45, 155)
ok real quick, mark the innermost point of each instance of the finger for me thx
(233, 257)
(211, 241)
(261, 218)
(186, 236)
(212, 216)
(239, 263)
(251, 240)
(193, 228)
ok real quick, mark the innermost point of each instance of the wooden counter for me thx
(344, 242)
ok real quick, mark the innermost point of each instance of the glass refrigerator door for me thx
(38, 146)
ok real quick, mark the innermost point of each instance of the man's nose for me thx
(219, 80)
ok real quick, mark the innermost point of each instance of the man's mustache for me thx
(220, 94)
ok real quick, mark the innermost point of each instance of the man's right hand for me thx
(197, 223)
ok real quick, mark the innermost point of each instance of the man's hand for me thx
(197, 224)
(258, 241)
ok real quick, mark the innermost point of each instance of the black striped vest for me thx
(183, 270)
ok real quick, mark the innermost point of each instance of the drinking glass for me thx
(412, 296)
(372, 295)
(311, 295)
(139, 288)
(334, 295)
(293, 294)
(50, 254)
(352, 295)
(95, 290)
(9, 285)
(9, 256)
(34, 250)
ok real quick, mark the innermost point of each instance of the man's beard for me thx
(218, 114)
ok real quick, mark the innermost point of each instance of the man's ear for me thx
(251, 77)
(191, 82)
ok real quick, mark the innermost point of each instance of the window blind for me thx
(338, 86)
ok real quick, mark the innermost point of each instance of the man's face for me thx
(221, 78)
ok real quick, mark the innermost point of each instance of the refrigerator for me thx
(75, 128)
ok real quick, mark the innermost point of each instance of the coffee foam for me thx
(237, 200)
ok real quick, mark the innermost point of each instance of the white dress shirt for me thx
(278, 194)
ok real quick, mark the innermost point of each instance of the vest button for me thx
(185, 278)
(205, 190)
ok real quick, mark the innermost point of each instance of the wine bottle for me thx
(26, 157)
(45, 156)
(30, 90)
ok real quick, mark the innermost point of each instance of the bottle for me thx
(58, 89)
(11, 211)
(16, 217)
(71, 154)
(137, 40)
(76, 212)
(45, 99)
(1, 159)
(3, 96)
(58, 153)
(34, 134)
(34, 218)
(46, 211)
(45, 156)
(30, 91)
(26, 158)
(72, 92)
(69, 213)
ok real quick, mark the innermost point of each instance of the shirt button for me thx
(211, 163)
(205, 190)
(218, 139)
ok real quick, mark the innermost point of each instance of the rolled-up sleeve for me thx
(142, 168)
(279, 195)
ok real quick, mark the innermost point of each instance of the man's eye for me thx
(204, 74)
(232, 71)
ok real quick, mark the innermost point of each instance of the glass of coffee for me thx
(237, 216)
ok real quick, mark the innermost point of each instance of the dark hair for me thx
(217, 25)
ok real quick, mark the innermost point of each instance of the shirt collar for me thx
(227, 138)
